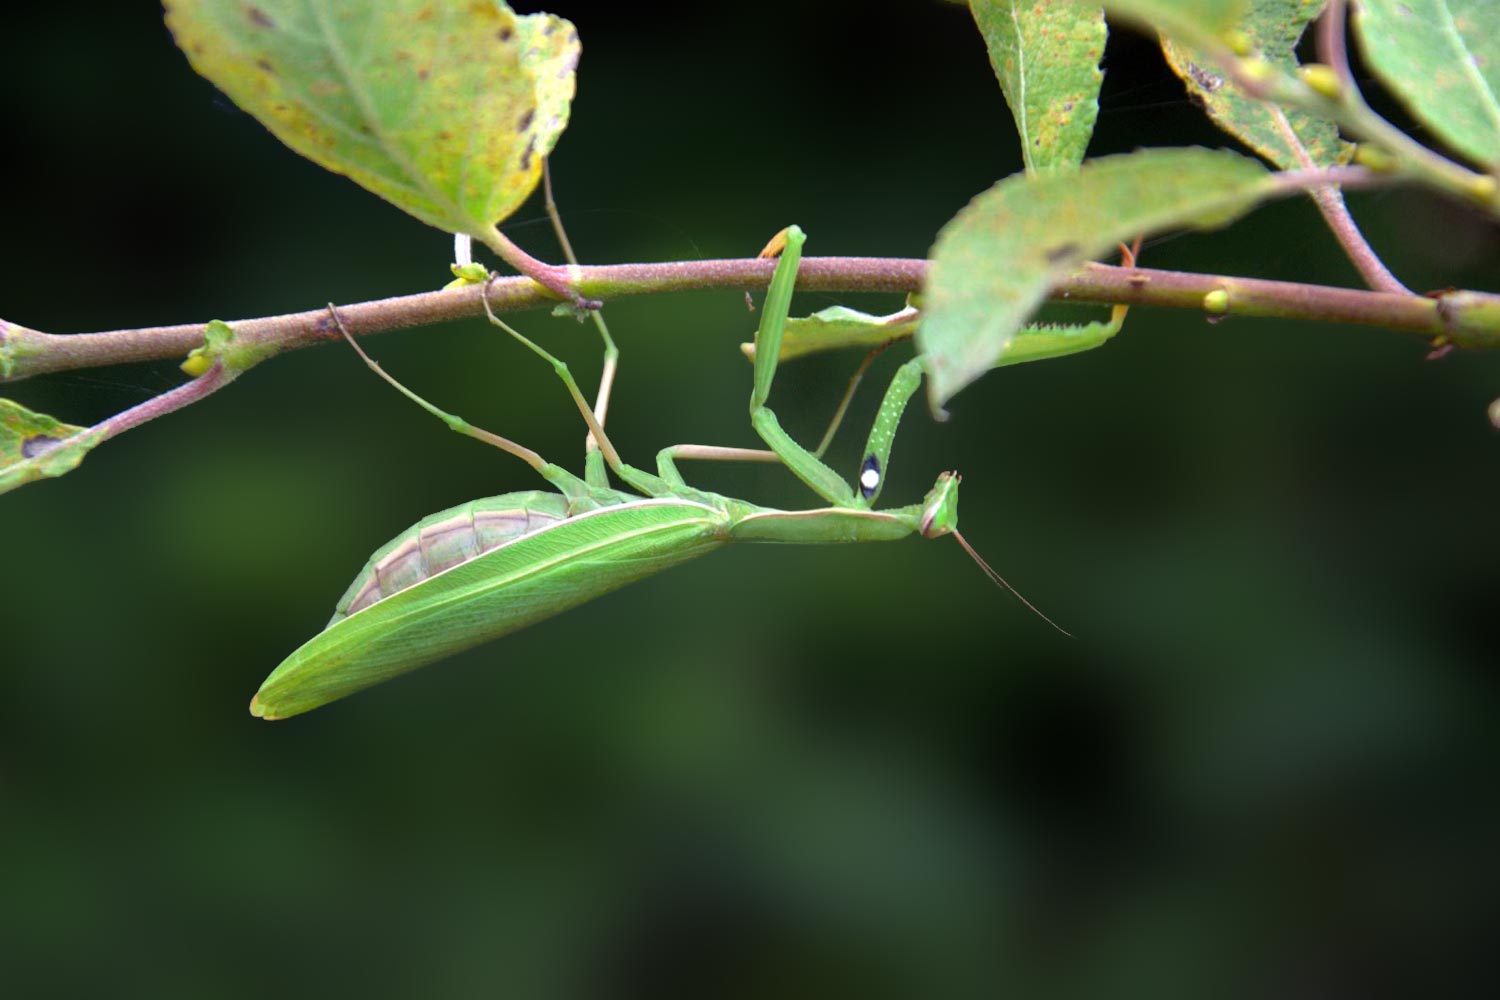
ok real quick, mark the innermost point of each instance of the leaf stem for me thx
(1332, 47)
(1330, 201)
(557, 280)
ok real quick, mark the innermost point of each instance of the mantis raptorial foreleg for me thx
(666, 459)
(807, 465)
(839, 327)
(782, 447)
(843, 407)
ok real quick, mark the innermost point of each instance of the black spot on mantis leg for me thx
(869, 476)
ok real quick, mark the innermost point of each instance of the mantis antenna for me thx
(989, 571)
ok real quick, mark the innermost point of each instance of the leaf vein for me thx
(1467, 60)
(340, 59)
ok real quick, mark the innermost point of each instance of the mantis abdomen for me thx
(443, 540)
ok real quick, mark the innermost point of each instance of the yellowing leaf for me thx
(1273, 27)
(549, 52)
(35, 446)
(445, 109)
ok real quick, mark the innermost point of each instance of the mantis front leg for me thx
(782, 447)
(806, 465)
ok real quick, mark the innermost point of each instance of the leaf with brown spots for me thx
(1046, 56)
(1273, 28)
(35, 446)
(443, 109)
(549, 52)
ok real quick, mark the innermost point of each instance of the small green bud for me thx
(1323, 80)
(1374, 158)
(1257, 71)
(1485, 188)
(1216, 302)
(467, 274)
(217, 337)
(1239, 43)
(196, 364)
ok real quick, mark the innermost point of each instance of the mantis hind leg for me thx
(566, 483)
(594, 463)
(593, 459)
(636, 478)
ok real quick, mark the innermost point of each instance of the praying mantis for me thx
(476, 572)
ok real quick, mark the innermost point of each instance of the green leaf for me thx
(1442, 59)
(996, 260)
(35, 446)
(1046, 56)
(1185, 20)
(443, 109)
(1274, 27)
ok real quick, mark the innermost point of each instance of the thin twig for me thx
(43, 464)
(1332, 48)
(31, 352)
(1330, 202)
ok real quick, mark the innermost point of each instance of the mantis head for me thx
(940, 507)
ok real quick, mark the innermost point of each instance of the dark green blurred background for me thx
(1264, 766)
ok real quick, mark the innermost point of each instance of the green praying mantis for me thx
(476, 572)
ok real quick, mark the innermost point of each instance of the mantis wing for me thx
(507, 588)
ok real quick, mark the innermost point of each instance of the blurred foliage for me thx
(1260, 768)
